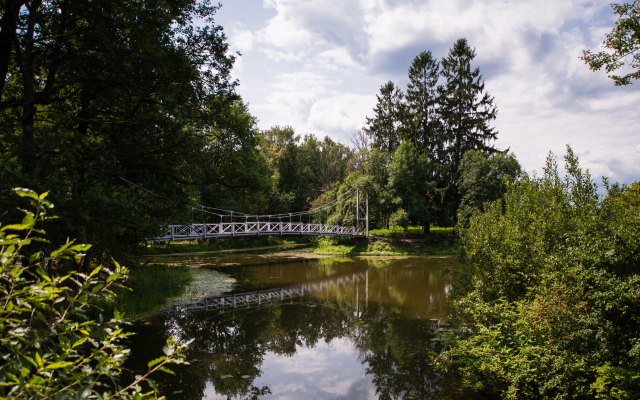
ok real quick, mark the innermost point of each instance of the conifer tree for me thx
(465, 107)
(422, 125)
(384, 127)
(466, 110)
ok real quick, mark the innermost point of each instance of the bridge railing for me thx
(228, 229)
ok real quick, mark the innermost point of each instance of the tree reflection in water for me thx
(387, 326)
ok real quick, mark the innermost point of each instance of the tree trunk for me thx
(8, 37)
(28, 100)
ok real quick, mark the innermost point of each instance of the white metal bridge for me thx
(279, 224)
(276, 295)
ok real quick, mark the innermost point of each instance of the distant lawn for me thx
(222, 244)
(412, 229)
(440, 241)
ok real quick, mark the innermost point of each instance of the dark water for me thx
(367, 333)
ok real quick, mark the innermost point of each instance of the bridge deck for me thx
(229, 229)
(270, 296)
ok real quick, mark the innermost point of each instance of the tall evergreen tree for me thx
(466, 110)
(465, 107)
(384, 127)
(422, 125)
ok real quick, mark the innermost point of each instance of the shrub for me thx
(50, 348)
(550, 289)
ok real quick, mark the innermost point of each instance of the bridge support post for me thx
(171, 228)
(367, 214)
(358, 208)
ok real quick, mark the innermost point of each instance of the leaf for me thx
(24, 192)
(167, 370)
(156, 361)
(79, 342)
(95, 271)
(153, 385)
(168, 350)
(43, 195)
(83, 393)
(80, 247)
(15, 227)
(28, 220)
(58, 364)
(113, 276)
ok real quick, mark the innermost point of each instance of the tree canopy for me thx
(622, 43)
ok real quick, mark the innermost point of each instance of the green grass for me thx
(440, 241)
(151, 286)
(362, 250)
(222, 244)
(412, 229)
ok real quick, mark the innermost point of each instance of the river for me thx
(329, 328)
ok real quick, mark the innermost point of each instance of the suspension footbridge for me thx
(315, 222)
(276, 295)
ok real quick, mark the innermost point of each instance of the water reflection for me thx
(368, 338)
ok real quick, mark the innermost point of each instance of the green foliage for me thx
(50, 348)
(483, 179)
(409, 185)
(623, 41)
(388, 113)
(422, 125)
(225, 244)
(127, 113)
(400, 218)
(548, 294)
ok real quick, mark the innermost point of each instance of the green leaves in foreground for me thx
(49, 348)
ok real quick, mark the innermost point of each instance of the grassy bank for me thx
(392, 242)
(150, 287)
(223, 244)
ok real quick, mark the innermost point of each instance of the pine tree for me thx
(422, 125)
(384, 127)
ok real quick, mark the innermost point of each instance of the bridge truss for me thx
(279, 224)
(276, 295)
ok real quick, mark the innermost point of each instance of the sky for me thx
(318, 65)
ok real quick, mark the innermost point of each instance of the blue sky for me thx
(318, 65)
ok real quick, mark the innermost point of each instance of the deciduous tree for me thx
(622, 43)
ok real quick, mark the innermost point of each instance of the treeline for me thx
(127, 114)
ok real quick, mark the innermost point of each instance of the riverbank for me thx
(211, 246)
(393, 242)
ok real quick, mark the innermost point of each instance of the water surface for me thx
(362, 329)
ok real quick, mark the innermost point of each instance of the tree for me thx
(384, 127)
(548, 289)
(466, 110)
(409, 185)
(103, 103)
(483, 179)
(623, 41)
(401, 218)
(421, 120)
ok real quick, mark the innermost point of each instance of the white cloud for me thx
(317, 65)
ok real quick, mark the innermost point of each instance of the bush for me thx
(550, 289)
(50, 348)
